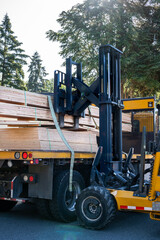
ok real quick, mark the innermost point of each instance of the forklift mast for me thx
(72, 96)
(110, 107)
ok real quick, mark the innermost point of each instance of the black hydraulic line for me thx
(127, 164)
(142, 162)
(94, 172)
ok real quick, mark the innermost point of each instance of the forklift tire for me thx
(95, 207)
(42, 206)
(6, 206)
(62, 206)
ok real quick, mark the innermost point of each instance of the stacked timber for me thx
(28, 113)
(39, 138)
(27, 108)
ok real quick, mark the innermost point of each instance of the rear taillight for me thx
(31, 178)
(24, 155)
(36, 161)
(32, 162)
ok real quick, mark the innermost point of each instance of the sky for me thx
(30, 20)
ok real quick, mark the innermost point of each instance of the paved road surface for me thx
(23, 223)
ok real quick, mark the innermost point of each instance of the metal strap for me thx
(35, 113)
(89, 110)
(90, 139)
(49, 139)
(25, 98)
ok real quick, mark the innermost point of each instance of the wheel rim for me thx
(92, 208)
(70, 197)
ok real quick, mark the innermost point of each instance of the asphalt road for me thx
(24, 223)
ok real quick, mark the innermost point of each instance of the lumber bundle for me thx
(32, 109)
(26, 124)
(20, 97)
(39, 138)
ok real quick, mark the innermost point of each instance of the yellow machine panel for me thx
(11, 155)
(145, 119)
(138, 104)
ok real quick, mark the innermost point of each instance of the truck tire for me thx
(95, 207)
(6, 206)
(42, 206)
(62, 206)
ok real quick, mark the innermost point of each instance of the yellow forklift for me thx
(115, 184)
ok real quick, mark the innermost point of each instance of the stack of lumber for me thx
(27, 114)
(31, 109)
(39, 138)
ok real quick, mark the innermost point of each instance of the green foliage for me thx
(12, 57)
(145, 50)
(49, 86)
(37, 73)
(131, 26)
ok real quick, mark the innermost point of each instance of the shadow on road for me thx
(23, 222)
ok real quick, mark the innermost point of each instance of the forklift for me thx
(114, 184)
(111, 183)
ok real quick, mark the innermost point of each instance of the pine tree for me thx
(37, 74)
(12, 57)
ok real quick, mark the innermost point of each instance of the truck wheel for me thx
(62, 206)
(43, 208)
(95, 207)
(6, 206)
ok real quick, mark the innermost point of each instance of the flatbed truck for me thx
(43, 177)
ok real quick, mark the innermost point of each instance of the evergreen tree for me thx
(37, 74)
(12, 57)
(49, 86)
(126, 24)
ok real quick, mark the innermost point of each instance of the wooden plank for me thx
(46, 134)
(72, 137)
(17, 145)
(80, 147)
(126, 127)
(34, 113)
(126, 118)
(19, 123)
(84, 125)
(94, 112)
(21, 97)
(12, 104)
(27, 112)
(45, 139)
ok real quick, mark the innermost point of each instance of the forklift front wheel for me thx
(95, 207)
